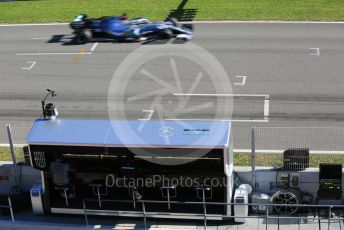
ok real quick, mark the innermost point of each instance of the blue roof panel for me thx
(92, 132)
(183, 133)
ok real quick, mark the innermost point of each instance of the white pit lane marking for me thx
(265, 96)
(281, 151)
(231, 120)
(40, 38)
(32, 64)
(43, 54)
(94, 47)
(266, 108)
(243, 81)
(8, 145)
(316, 53)
(149, 115)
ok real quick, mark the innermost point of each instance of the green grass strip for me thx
(5, 154)
(39, 11)
(276, 159)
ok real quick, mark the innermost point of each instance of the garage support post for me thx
(13, 155)
(253, 157)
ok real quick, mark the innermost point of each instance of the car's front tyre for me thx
(82, 37)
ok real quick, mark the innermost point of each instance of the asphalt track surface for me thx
(296, 69)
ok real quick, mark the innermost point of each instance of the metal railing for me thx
(9, 206)
(325, 144)
(314, 208)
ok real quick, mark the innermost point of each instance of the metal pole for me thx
(329, 217)
(168, 199)
(98, 194)
(144, 215)
(319, 224)
(204, 211)
(253, 156)
(132, 193)
(66, 197)
(85, 212)
(266, 218)
(278, 222)
(11, 209)
(298, 223)
(14, 159)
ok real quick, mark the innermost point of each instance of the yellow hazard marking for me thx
(77, 57)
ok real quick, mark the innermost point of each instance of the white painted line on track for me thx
(34, 24)
(8, 145)
(281, 151)
(231, 120)
(32, 64)
(42, 54)
(266, 103)
(243, 80)
(94, 47)
(149, 115)
(317, 51)
(39, 38)
(266, 108)
(242, 150)
(248, 121)
(266, 96)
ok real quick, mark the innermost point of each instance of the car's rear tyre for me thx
(174, 21)
(165, 34)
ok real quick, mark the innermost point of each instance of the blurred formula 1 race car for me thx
(120, 28)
